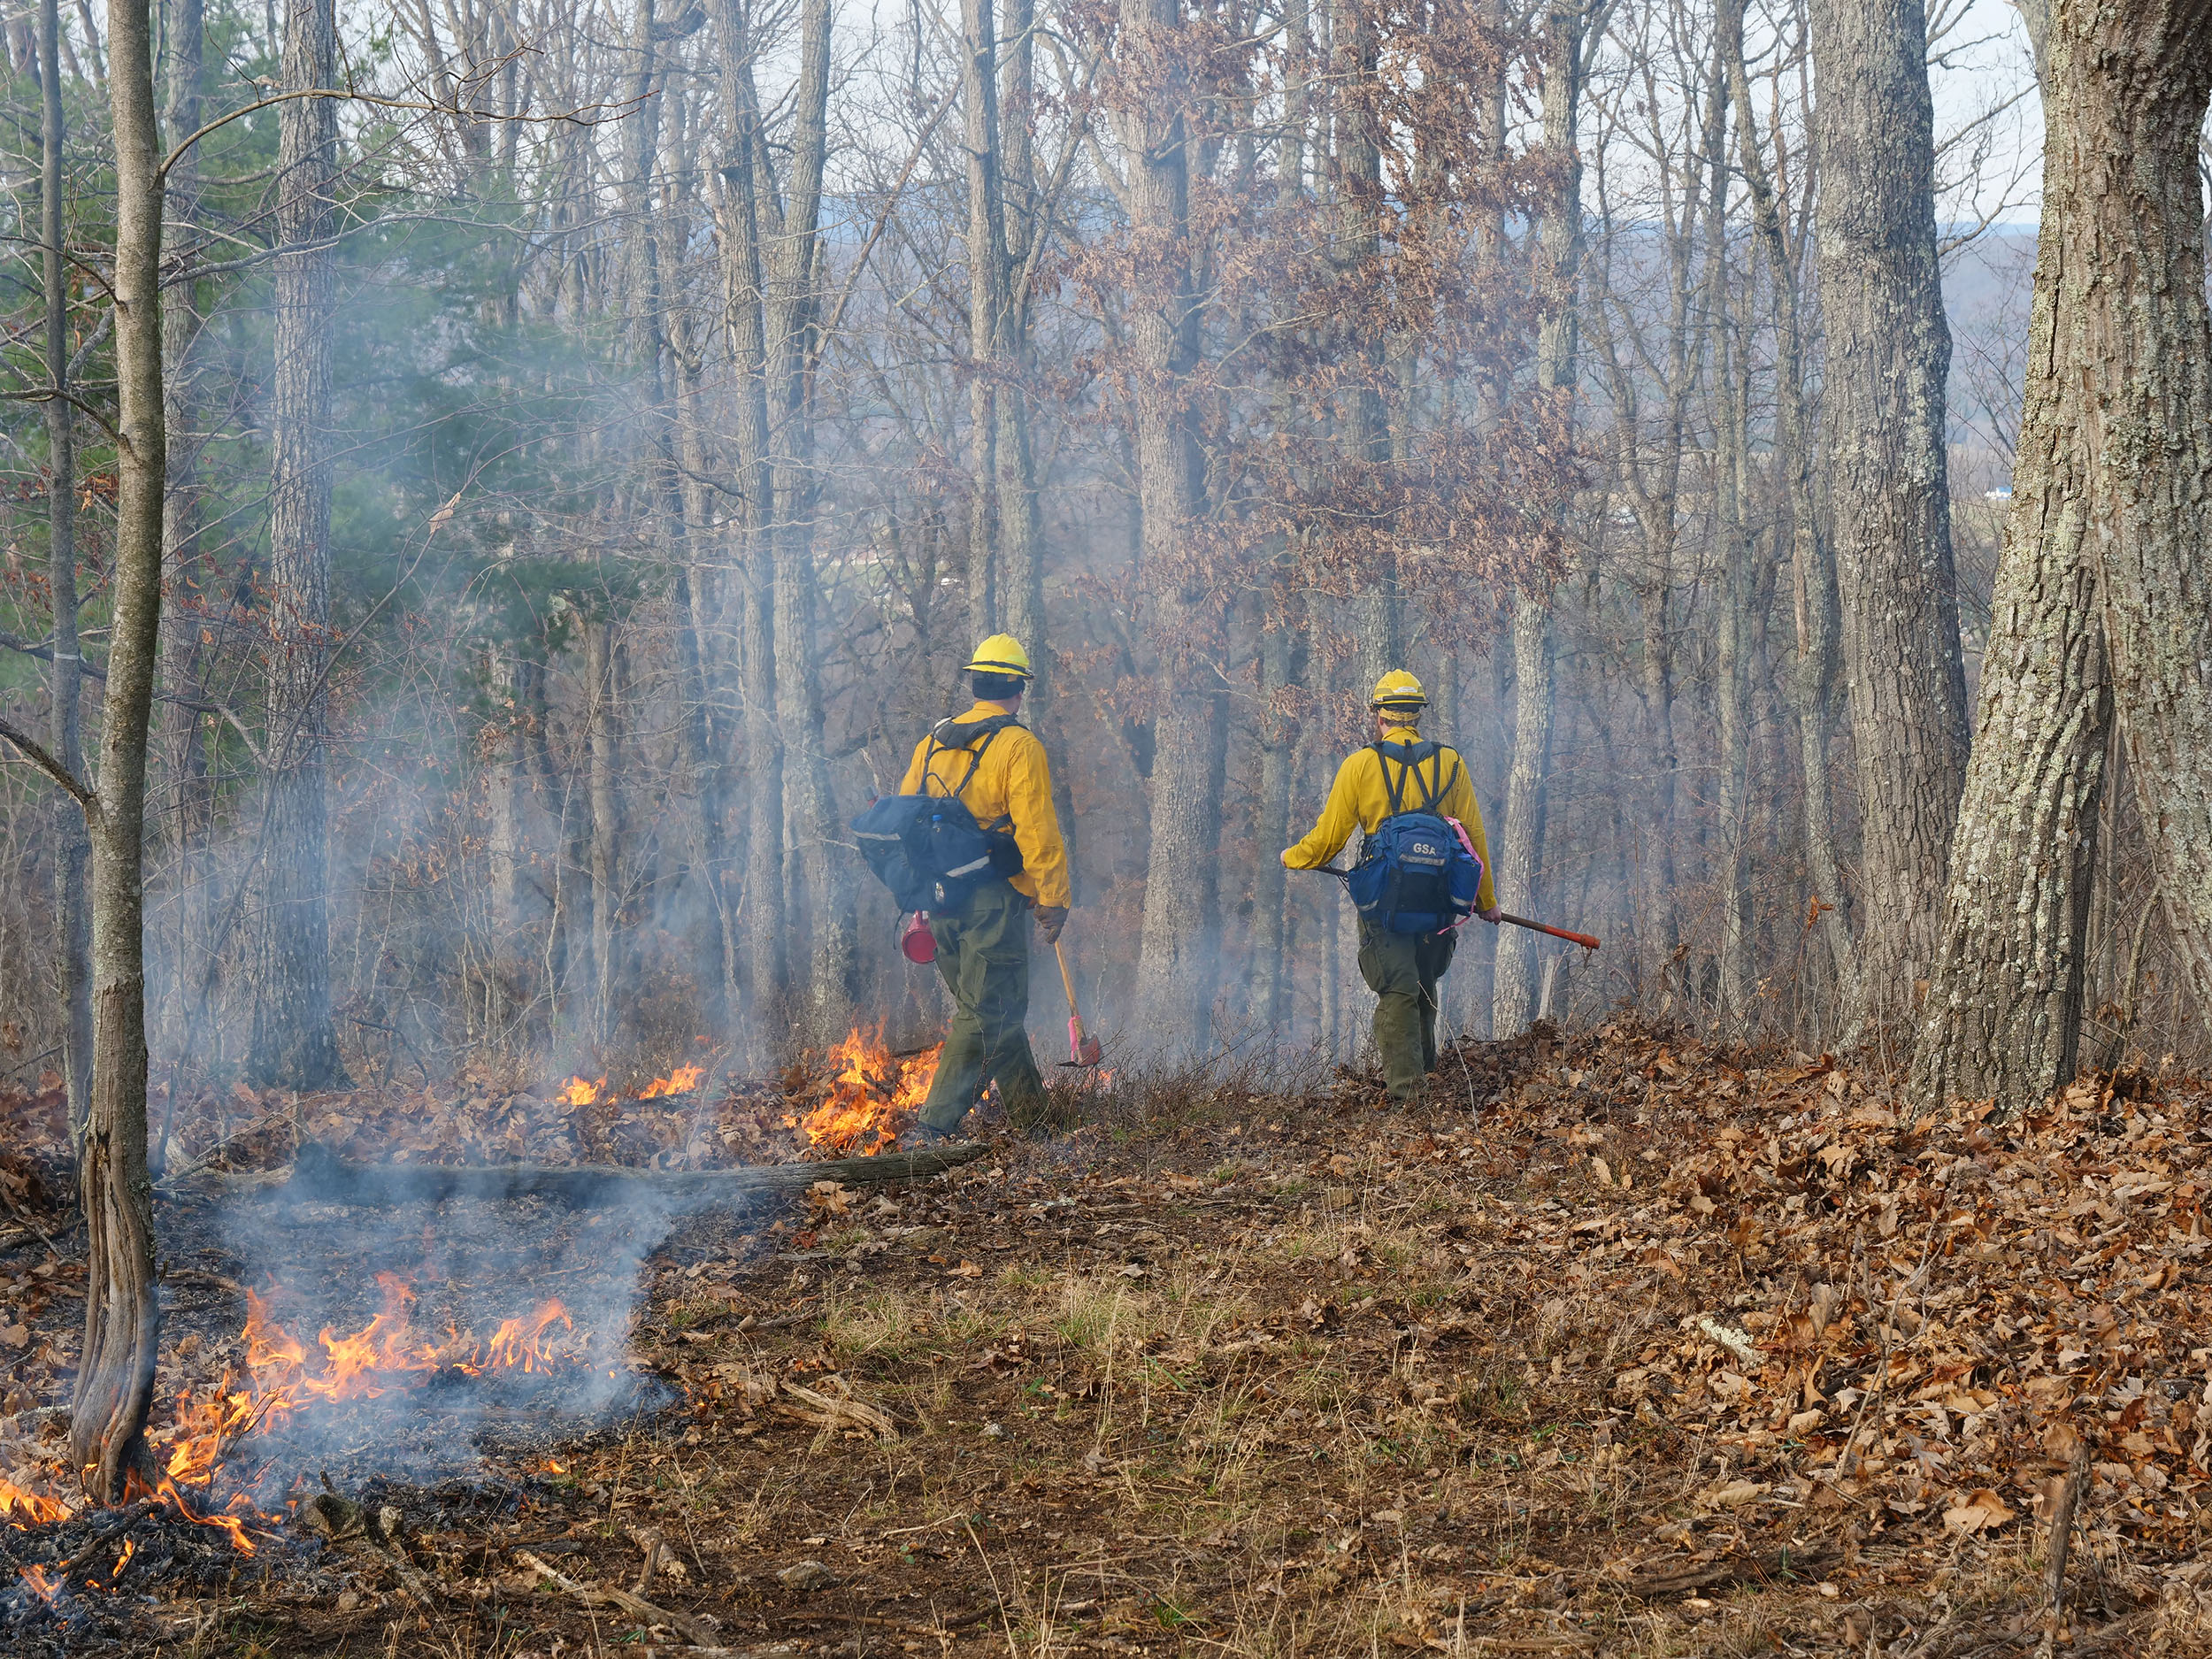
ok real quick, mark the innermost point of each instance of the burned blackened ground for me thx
(1669, 1351)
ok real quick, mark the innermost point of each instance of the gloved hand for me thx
(1050, 919)
(1494, 915)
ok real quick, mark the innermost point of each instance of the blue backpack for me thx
(1415, 875)
(928, 848)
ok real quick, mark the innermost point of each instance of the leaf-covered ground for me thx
(1664, 1350)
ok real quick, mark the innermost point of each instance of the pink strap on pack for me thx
(1481, 869)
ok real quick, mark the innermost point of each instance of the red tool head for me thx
(1082, 1050)
(917, 943)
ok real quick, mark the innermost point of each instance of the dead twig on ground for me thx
(2061, 1493)
(636, 1606)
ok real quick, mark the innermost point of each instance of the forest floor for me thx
(1662, 1350)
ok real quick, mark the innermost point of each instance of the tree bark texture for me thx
(115, 1374)
(1813, 677)
(1559, 254)
(1176, 943)
(1888, 352)
(2100, 587)
(2135, 94)
(72, 913)
(294, 1044)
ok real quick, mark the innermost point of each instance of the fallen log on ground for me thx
(318, 1175)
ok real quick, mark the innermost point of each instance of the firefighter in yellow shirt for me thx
(1404, 970)
(997, 768)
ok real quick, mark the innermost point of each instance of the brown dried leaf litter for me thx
(1673, 1351)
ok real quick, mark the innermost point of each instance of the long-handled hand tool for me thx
(1082, 1050)
(1588, 941)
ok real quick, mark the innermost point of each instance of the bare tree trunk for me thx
(604, 769)
(1559, 254)
(794, 288)
(1888, 351)
(72, 914)
(115, 1368)
(185, 561)
(1271, 982)
(2146, 337)
(1021, 551)
(1813, 679)
(764, 905)
(294, 1044)
(1176, 953)
(707, 735)
(508, 787)
(987, 305)
(1731, 512)
(2104, 534)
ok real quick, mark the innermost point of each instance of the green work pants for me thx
(1402, 970)
(983, 952)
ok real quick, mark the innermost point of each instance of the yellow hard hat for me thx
(1000, 654)
(1398, 689)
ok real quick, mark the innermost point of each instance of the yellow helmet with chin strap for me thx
(1000, 654)
(1398, 692)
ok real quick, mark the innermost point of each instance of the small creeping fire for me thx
(585, 1092)
(873, 1099)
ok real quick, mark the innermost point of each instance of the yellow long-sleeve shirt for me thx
(1012, 781)
(1360, 799)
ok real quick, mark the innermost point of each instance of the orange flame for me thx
(682, 1080)
(579, 1093)
(283, 1377)
(34, 1509)
(47, 1586)
(874, 1097)
(130, 1549)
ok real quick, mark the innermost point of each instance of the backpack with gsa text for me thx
(928, 848)
(1416, 875)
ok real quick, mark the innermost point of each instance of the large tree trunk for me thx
(115, 1370)
(1559, 252)
(1888, 351)
(295, 1045)
(72, 914)
(1813, 677)
(2105, 532)
(1176, 952)
(2134, 94)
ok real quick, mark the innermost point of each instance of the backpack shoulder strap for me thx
(1435, 784)
(979, 734)
(1392, 791)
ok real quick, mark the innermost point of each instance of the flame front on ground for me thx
(20, 1509)
(874, 1097)
(284, 1376)
(579, 1093)
(682, 1080)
